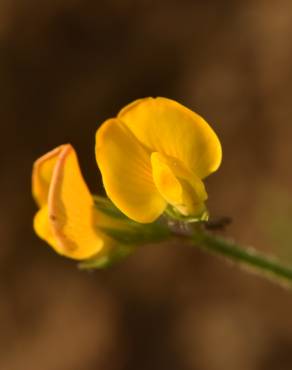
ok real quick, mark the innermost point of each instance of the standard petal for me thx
(126, 172)
(42, 174)
(71, 212)
(167, 127)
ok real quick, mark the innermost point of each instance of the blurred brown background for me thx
(67, 65)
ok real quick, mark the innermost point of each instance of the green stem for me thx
(247, 257)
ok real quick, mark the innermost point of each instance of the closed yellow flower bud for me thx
(67, 218)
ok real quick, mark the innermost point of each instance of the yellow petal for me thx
(165, 180)
(183, 190)
(171, 129)
(126, 172)
(42, 174)
(72, 215)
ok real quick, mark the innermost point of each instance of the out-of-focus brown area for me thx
(67, 65)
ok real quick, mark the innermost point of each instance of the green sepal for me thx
(128, 235)
(102, 262)
(105, 206)
(135, 233)
(130, 232)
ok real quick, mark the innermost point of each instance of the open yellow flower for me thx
(154, 153)
(67, 218)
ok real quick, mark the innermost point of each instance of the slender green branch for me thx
(246, 256)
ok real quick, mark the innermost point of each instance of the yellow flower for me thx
(67, 218)
(154, 153)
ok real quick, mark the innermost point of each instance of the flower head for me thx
(67, 218)
(154, 153)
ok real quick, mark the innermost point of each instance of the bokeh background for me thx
(67, 65)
